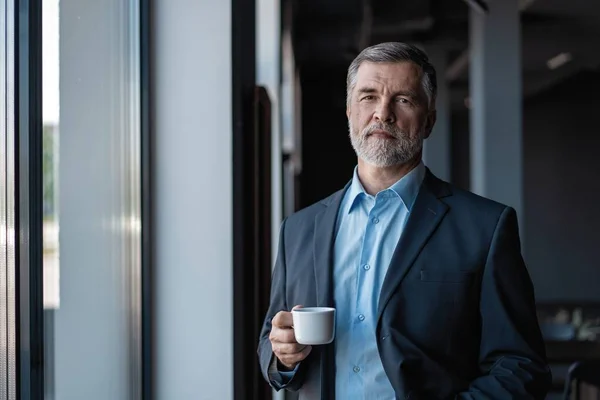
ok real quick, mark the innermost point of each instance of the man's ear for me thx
(348, 112)
(431, 118)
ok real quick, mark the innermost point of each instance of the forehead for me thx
(391, 76)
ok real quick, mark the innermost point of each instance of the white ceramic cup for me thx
(314, 325)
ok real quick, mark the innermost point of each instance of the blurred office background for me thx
(151, 148)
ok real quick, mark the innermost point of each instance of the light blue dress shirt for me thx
(369, 228)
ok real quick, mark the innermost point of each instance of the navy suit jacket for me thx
(456, 316)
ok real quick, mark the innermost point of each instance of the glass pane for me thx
(5, 230)
(91, 168)
(8, 171)
(3, 194)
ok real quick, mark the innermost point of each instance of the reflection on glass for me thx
(50, 153)
(91, 199)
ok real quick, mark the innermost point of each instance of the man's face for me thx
(389, 114)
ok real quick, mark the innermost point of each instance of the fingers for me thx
(283, 340)
(282, 335)
(288, 348)
(306, 352)
(291, 360)
(282, 319)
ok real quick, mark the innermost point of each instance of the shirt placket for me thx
(365, 282)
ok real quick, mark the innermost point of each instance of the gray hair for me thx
(394, 52)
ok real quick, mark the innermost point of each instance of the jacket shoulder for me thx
(477, 202)
(475, 211)
(463, 200)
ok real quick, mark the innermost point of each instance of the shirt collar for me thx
(406, 188)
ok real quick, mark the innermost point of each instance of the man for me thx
(432, 295)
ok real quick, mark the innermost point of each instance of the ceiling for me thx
(328, 34)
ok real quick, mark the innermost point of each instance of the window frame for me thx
(28, 198)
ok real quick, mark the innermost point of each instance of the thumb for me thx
(297, 307)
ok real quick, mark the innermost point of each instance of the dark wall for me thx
(327, 155)
(459, 149)
(561, 147)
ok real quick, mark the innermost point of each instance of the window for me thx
(91, 199)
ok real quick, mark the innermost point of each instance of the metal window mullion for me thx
(3, 211)
(26, 168)
(145, 201)
(11, 293)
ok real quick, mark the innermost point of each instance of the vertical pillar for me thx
(436, 150)
(496, 104)
(193, 187)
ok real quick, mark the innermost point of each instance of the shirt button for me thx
(356, 369)
(375, 220)
(367, 267)
(361, 317)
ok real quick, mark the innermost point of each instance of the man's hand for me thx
(283, 340)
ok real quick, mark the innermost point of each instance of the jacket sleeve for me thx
(277, 303)
(512, 352)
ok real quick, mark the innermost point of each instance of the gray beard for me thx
(385, 152)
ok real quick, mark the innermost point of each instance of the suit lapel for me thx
(324, 234)
(426, 214)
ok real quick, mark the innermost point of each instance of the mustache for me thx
(387, 128)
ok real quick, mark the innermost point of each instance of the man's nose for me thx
(384, 113)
